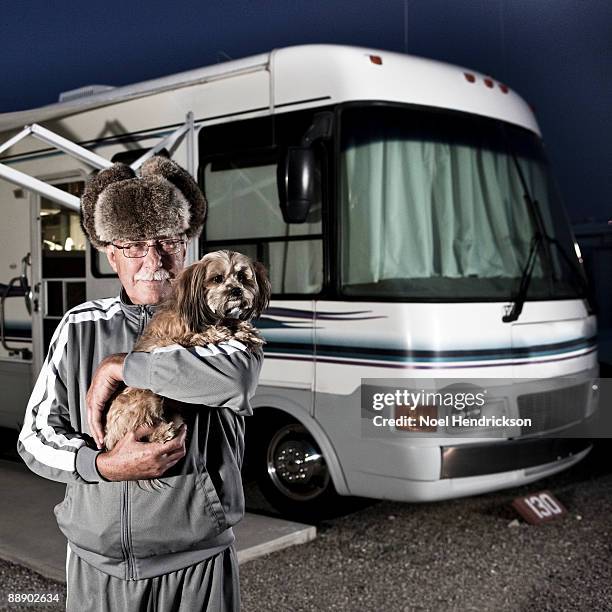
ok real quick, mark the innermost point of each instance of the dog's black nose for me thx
(236, 292)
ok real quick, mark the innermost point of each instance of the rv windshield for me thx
(433, 208)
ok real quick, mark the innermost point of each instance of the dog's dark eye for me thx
(217, 279)
(241, 276)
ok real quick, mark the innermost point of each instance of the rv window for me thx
(62, 255)
(63, 241)
(60, 227)
(244, 215)
(433, 207)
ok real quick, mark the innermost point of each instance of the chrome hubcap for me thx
(295, 464)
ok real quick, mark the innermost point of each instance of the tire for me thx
(292, 473)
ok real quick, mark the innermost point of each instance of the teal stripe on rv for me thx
(421, 356)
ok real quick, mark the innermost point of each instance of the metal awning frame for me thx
(170, 142)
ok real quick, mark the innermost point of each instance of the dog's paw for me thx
(170, 433)
(164, 432)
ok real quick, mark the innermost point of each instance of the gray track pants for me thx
(210, 586)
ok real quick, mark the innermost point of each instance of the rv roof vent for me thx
(83, 92)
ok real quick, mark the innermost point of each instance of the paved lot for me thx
(32, 538)
(456, 555)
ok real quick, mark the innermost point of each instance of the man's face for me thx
(146, 279)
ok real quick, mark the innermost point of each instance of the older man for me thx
(130, 548)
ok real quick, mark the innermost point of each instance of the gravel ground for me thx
(455, 555)
(17, 579)
(466, 554)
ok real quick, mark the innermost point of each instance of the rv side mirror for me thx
(296, 183)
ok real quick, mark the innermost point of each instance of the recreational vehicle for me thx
(412, 230)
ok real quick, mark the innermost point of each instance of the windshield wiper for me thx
(540, 238)
(521, 296)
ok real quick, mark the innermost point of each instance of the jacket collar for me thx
(135, 312)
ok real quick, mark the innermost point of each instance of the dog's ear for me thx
(262, 299)
(191, 298)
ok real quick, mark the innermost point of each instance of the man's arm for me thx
(51, 446)
(48, 443)
(224, 375)
(130, 459)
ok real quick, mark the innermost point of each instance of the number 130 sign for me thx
(540, 507)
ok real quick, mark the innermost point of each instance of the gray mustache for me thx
(157, 275)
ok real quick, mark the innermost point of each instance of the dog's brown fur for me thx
(195, 314)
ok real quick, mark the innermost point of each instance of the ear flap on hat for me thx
(182, 180)
(93, 188)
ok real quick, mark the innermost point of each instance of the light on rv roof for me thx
(469, 77)
(503, 87)
(488, 82)
(376, 59)
(83, 92)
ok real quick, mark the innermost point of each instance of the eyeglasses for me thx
(141, 249)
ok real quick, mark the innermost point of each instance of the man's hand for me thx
(107, 378)
(131, 459)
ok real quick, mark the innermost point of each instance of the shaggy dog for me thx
(212, 301)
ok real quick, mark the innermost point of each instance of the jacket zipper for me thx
(126, 536)
(141, 322)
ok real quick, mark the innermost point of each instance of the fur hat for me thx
(163, 201)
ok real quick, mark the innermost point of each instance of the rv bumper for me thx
(542, 463)
(478, 459)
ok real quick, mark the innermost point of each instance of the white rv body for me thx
(320, 347)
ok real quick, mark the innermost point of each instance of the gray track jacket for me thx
(118, 527)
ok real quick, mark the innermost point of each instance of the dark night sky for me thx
(556, 53)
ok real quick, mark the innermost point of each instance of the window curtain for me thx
(415, 209)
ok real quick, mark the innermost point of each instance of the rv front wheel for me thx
(293, 474)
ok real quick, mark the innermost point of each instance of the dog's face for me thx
(223, 284)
